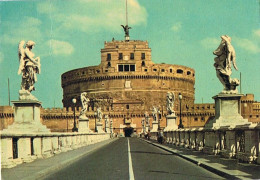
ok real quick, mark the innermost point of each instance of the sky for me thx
(70, 35)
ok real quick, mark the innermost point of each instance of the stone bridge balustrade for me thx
(187, 138)
(240, 142)
(192, 138)
(19, 148)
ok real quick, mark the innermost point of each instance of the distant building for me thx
(127, 83)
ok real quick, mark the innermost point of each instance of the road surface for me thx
(131, 158)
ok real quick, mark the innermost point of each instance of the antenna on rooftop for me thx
(126, 27)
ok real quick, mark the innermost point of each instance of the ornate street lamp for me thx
(180, 124)
(74, 129)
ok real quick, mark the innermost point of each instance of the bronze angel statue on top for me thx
(29, 66)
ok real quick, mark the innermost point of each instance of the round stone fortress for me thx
(129, 83)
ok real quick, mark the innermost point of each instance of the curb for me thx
(194, 161)
(42, 174)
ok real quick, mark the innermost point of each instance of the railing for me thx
(242, 143)
(19, 148)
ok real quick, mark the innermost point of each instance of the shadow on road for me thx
(145, 152)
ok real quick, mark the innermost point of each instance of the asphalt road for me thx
(143, 161)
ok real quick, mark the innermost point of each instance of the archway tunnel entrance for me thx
(128, 131)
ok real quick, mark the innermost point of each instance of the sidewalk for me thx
(227, 168)
(41, 167)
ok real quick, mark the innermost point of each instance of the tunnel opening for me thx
(128, 131)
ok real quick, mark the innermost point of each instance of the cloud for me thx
(93, 16)
(176, 27)
(247, 44)
(60, 47)
(210, 43)
(28, 28)
(1, 57)
(256, 33)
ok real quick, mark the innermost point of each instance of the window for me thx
(180, 71)
(162, 70)
(120, 56)
(143, 63)
(170, 70)
(202, 119)
(126, 67)
(132, 56)
(120, 68)
(143, 56)
(127, 106)
(195, 119)
(109, 64)
(98, 71)
(108, 56)
(154, 70)
(188, 72)
(132, 67)
(145, 70)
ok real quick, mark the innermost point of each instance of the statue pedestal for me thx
(227, 111)
(155, 126)
(84, 125)
(107, 129)
(27, 118)
(147, 128)
(170, 123)
(99, 127)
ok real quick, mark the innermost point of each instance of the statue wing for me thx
(233, 59)
(123, 26)
(21, 56)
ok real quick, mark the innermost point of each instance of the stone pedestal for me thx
(99, 127)
(7, 153)
(147, 128)
(107, 129)
(27, 118)
(84, 125)
(227, 111)
(170, 123)
(155, 126)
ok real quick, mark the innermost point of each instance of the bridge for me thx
(100, 156)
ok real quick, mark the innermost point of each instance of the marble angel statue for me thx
(225, 57)
(85, 103)
(99, 114)
(170, 102)
(29, 66)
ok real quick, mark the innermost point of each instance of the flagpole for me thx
(8, 92)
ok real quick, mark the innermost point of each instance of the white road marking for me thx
(131, 172)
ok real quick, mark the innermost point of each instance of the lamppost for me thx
(180, 125)
(95, 114)
(74, 129)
